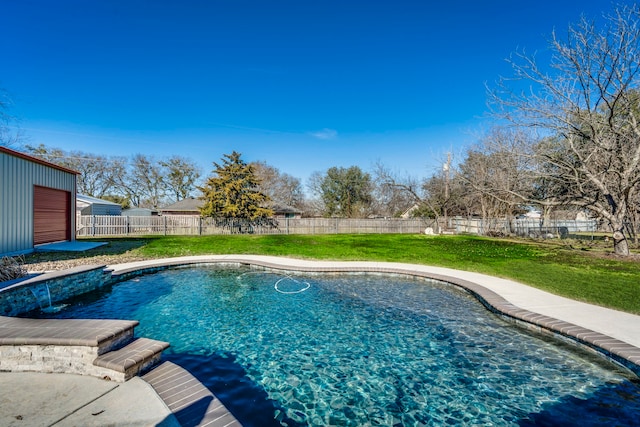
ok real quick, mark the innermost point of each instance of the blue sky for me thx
(302, 85)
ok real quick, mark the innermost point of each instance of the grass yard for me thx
(585, 275)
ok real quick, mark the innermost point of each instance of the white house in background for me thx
(87, 205)
(36, 202)
(409, 212)
(583, 216)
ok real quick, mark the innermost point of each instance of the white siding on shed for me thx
(87, 205)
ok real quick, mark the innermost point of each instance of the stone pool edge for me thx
(570, 330)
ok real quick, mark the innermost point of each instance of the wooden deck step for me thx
(190, 401)
(133, 358)
(104, 334)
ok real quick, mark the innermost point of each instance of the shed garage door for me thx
(51, 215)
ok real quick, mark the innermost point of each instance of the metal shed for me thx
(37, 203)
(87, 205)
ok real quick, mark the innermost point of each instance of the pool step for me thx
(190, 401)
(117, 337)
(128, 361)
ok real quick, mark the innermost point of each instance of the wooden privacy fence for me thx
(522, 227)
(109, 225)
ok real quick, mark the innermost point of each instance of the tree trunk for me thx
(633, 230)
(546, 216)
(620, 243)
(509, 223)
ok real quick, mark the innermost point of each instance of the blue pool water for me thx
(358, 350)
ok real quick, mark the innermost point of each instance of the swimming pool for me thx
(362, 349)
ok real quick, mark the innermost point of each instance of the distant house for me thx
(87, 205)
(409, 212)
(282, 211)
(140, 212)
(189, 206)
(36, 202)
(532, 214)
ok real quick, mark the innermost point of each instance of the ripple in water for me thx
(361, 349)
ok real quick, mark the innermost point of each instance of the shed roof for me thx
(94, 200)
(33, 159)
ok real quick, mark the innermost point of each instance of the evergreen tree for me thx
(232, 198)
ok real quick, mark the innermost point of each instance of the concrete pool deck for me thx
(60, 399)
(35, 399)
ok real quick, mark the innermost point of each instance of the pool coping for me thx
(611, 334)
(592, 327)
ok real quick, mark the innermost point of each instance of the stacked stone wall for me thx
(47, 358)
(51, 288)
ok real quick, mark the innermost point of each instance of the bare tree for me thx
(314, 206)
(585, 108)
(180, 177)
(143, 183)
(384, 177)
(281, 188)
(98, 175)
(428, 197)
(634, 218)
(10, 133)
(52, 155)
(140, 180)
(446, 193)
(498, 174)
(390, 200)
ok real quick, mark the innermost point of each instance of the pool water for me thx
(358, 349)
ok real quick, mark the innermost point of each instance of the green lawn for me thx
(577, 274)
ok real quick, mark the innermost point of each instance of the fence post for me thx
(93, 225)
(164, 224)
